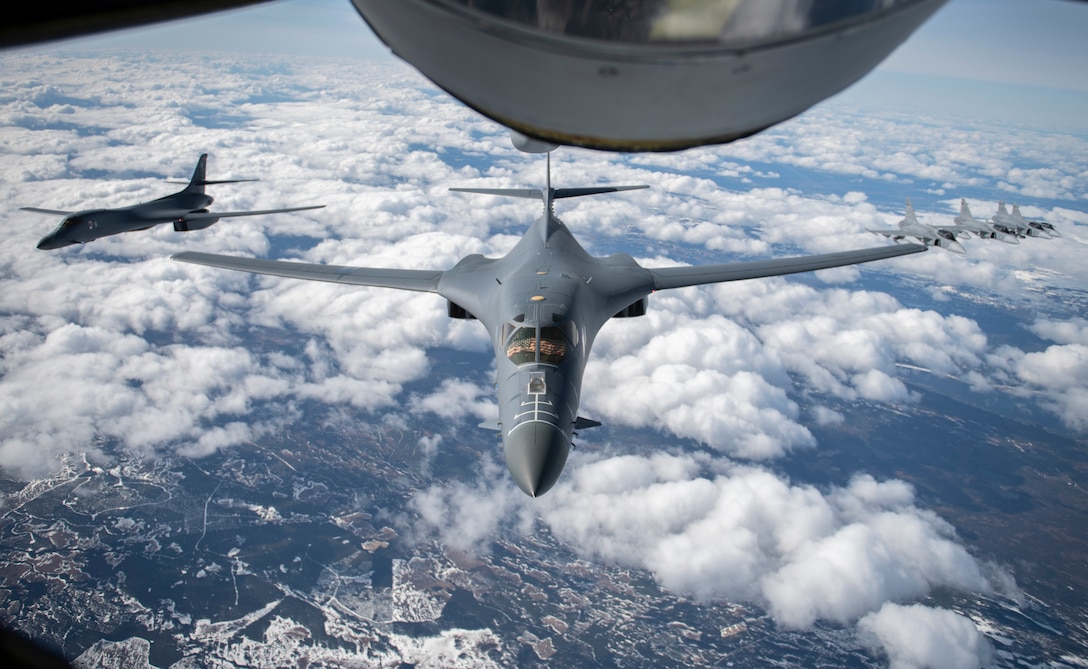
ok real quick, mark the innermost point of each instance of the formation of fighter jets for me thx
(186, 210)
(1003, 226)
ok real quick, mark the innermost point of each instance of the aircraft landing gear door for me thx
(537, 386)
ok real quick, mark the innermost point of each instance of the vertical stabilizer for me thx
(549, 201)
(965, 212)
(908, 215)
(196, 184)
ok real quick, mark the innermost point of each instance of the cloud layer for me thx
(114, 346)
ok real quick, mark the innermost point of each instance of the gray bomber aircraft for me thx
(543, 304)
(186, 210)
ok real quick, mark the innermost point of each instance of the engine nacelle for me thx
(183, 225)
(633, 310)
(454, 310)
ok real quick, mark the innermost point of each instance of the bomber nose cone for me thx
(535, 455)
(48, 243)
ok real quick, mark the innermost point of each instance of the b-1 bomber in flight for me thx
(187, 210)
(543, 304)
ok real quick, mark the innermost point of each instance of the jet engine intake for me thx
(454, 310)
(183, 225)
(633, 310)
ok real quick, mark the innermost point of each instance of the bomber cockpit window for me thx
(521, 346)
(548, 345)
(553, 346)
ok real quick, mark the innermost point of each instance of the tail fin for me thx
(965, 211)
(908, 214)
(199, 180)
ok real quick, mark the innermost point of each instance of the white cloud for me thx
(704, 379)
(919, 637)
(113, 342)
(1073, 331)
(720, 531)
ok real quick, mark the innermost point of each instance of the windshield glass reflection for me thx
(639, 21)
(525, 344)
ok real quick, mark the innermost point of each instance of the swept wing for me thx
(678, 277)
(663, 278)
(51, 212)
(404, 279)
(196, 216)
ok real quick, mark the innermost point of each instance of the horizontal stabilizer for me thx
(557, 193)
(490, 425)
(205, 182)
(585, 423)
(531, 193)
(51, 212)
(592, 190)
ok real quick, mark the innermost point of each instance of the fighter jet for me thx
(928, 235)
(1042, 226)
(186, 210)
(969, 225)
(1016, 224)
(543, 304)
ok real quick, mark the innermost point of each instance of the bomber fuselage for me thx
(544, 303)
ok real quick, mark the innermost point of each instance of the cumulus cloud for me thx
(920, 637)
(470, 515)
(704, 379)
(715, 530)
(114, 344)
(719, 531)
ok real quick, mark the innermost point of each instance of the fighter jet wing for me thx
(678, 277)
(196, 216)
(405, 279)
(891, 232)
(51, 212)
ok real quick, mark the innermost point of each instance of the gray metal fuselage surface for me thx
(543, 304)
